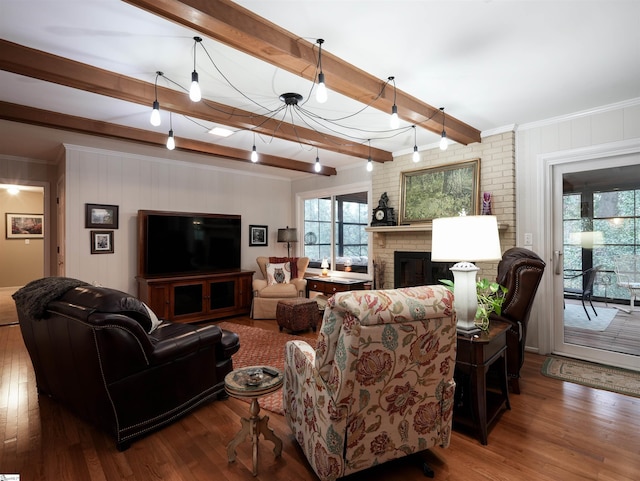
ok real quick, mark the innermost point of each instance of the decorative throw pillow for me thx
(293, 263)
(278, 273)
(155, 322)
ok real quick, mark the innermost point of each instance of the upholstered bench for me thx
(297, 314)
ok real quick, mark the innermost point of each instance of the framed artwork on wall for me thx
(25, 226)
(101, 216)
(442, 191)
(258, 235)
(102, 242)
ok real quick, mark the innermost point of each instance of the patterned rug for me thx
(262, 347)
(599, 376)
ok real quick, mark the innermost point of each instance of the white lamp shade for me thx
(465, 238)
(325, 264)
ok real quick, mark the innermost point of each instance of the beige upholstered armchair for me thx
(282, 278)
(379, 384)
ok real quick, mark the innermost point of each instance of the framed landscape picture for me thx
(101, 216)
(25, 226)
(102, 242)
(442, 191)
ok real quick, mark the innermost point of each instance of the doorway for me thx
(596, 221)
(23, 255)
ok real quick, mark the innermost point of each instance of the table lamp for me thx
(464, 240)
(325, 267)
(288, 235)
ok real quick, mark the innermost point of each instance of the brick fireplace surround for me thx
(497, 175)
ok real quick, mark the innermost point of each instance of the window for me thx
(600, 226)
(334, 229)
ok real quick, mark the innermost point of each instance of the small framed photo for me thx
(102, 242)
(258, 235)
(101, 216)
(25, 226)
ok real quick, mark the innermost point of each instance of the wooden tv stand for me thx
(197, 297)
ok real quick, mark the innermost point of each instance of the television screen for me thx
(176, 243)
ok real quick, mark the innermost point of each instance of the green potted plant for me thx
(491, 296)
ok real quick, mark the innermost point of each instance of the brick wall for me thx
(497, 176)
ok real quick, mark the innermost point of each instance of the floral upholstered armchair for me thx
(379, 384)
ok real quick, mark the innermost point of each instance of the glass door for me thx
(596, 219)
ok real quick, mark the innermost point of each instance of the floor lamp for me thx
(288, 235)
(463, 240)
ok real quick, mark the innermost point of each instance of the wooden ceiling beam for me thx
(52, 68)
(243, 30)
(46, 118)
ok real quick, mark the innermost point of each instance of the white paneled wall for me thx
(135, 182)
(580, 132)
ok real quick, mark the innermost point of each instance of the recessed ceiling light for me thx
(220, 132)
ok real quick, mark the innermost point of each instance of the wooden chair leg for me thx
(514, 384)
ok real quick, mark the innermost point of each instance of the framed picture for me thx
(25, 226)
(101, 216)
(102, 242)
(258, 235)
(443, 191)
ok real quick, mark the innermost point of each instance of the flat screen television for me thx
(179, 243)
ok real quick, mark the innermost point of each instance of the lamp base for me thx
(465, 295)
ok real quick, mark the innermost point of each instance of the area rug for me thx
(599, 376)
(574, 316)
(262, 347)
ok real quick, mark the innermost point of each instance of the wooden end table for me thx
(330, 285)
(477, 405)
(242, 383)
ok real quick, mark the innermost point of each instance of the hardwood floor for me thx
(554, 431)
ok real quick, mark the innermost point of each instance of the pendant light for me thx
(394, 121)
(194, 92)
(317, 167)
(171, 142)
(254, 152)
(155, 113)
(416, 154)
(321, 92)
(369, 160)
(443, 139)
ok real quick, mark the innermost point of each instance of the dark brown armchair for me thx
(520, 271)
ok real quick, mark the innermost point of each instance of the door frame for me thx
(551, 332)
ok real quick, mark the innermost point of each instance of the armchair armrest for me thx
(301, 285)
(258, 285)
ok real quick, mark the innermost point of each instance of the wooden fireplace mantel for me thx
(380, 233)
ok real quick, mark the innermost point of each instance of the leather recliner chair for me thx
(92, 351)
(520, 271)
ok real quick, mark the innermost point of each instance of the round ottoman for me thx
(297, 314)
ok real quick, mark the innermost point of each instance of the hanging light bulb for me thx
(416, 154)
(195, 93)
(443, 139)
(171, 142)
(369, 160)
(321, 92)
(254, 152)
(317, 167)
(155, 113)
(394, 121)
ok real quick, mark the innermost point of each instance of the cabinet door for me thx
(188, 299)
(245, 293)
(222, 294)
(158, 300)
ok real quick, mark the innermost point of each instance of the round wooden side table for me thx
(253, 382)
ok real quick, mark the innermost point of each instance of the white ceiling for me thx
(491, 64)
